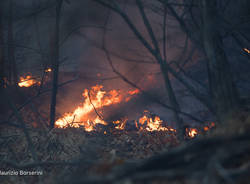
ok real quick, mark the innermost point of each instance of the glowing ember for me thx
(247, 50)
(209, 126)
(48, 70)
(206, 128)
(152, 123)
(95, 99)
(120, 124)
(27, 81)
(133, 92)
(192, 132)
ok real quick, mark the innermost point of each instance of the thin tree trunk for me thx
(163, 66)
(13, 79)
(2, 62)
(222, 87)
(155, 51)
(55, 64)
(165, 72)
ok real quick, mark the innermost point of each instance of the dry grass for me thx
(236, 123)
(105, 151)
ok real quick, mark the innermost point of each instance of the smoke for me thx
(82, 57)
(128, 55)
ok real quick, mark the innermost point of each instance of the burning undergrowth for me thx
(96, 129)
(28, 80)
(91, 115)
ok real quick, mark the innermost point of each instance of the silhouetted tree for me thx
(55, 62)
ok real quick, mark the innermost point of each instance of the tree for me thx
(153, 49)
(204, 31)
(221, 85)
(223, 90)
(2, 62)
(13, 77)
(55, 62)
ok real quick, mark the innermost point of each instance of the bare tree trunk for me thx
(55, 63)
(223, 90)
(11, 49)
(155, 50)
(165, 72)
(2, 62)
(172, 100)
(163, 66)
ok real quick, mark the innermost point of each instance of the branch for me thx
(28, 101)
(98, 114)
(23, 126)
(139, 36)
(147, 95)
(148, 26)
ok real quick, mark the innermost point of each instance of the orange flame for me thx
(120, 124)
(27, 81)
(95, 99)
(209, 126)
(192, 132)
(247, 50)
(206, 128)
(152, 124)
(133, 92)
(48, 70)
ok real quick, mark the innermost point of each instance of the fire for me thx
(94, 100)
(192, 132)
(133, 92)
(247, 50)
(152, 123)
(48, 70)
(209, 126)
(120, 124)
(206, 128)
(28, 81)
(88, 115)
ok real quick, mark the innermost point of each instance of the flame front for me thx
(27, 81)
(153, 124)
(95, 99)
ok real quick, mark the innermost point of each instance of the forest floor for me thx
(72, 155)
(101, 151)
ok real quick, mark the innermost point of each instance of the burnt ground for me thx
(107, 155)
